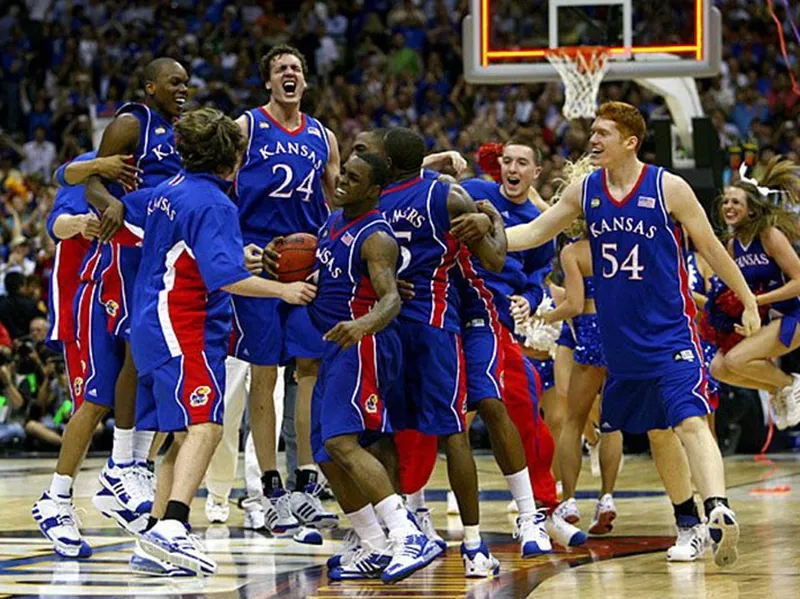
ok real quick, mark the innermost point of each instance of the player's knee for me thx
(95, 411)
(306, 367)
(492, 412)
(734, 360)
(340, 449)
(209, 432)
(263, 376)
(691, 427)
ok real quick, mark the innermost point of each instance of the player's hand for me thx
(112, 221)
(118, 168)
(253, 259)
(456, 163)
(270, 257)
(490, 210)
(406, 290)
(751, 320)
(89, 226)
(471, 228)
(346, 334)
(520, 308)
(299, 293)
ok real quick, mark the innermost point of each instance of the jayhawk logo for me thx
(77, 386)
(112, 308)
(200, 396)
(372, 404)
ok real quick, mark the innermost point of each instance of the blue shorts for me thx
(183, 391)
(483, 359)
(354, 390)
(268, 331)
(588, 344)
(101, 353)
(435, 400)
(566, 339)
(546, 371)
(640, 405)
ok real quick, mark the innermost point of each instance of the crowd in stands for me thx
(68, 64)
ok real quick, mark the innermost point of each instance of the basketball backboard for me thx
(505, 41)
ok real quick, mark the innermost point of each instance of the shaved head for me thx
(155, 67)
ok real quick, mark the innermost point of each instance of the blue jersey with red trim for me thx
(110, 264)
(344, 288)
(69, 255)
(523, 272)
(279, 186)
(644, 305)
(417, 211)
(192, 248)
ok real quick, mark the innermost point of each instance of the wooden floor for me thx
(629, 563)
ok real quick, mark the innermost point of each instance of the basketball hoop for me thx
(581, 69)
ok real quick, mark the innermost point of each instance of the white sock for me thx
(415, 501)
(61, 486)
(519, 484)
(472, 536)
(368, 528)
(312, 467)
(393, 514)
(142, 440)
(122, 451)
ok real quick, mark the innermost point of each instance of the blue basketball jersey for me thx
(279, 185)
(644, 304)
(344, 288)
(417, 211)
(762, 272)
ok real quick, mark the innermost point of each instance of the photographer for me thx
(12, 403)
(48, 414)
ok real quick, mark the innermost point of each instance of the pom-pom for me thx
(536, 333)
(489, 159)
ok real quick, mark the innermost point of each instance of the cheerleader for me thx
(761, 236)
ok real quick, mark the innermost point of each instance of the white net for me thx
(581, 70)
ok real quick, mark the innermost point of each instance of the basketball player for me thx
(145, 132)
(656, 374)
(72, 226)
(421, 212)
(517, 291)
(289, 168)
(361, 369)
(192, 259)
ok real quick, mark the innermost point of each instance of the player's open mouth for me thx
(339, 192)
(180, 101)
(597, 151)
(290, 86)
(514, 181)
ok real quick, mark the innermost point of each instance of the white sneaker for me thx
(723, 530)
(779, 407)
(568, 511)
(59, 524)
(411, 550)
(253, 513)
(452, 504)
(132, 522)
(366, 563)
(217, 513)
(793, 402)
(308, 509)
(278, 514)
(594, 459)
(170, 541)
(142, 563)
(479, 563)
(530, 529)
(564, 533)
(512, 507)
(425, 523)
(147, 480)
(352, 543)
(604, 515)
(125, 483)
(691, 544)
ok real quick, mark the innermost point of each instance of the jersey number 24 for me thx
(285, 189)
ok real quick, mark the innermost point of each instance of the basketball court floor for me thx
(629, 563)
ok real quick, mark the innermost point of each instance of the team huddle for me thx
(169, 260)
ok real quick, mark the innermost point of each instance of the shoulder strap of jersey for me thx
(368, 229)
(145, 116)
(251, 127)
(323, 132)
(585, 192)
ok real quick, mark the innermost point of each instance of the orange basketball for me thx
(298, 256)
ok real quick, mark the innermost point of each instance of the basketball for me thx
(298, 256)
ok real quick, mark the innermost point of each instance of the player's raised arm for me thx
(120, 137)
(110, 168)
(686, 209)
(380, 252)
(549, 224)
(490, 248)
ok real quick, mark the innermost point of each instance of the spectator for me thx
(12, 404)
(39, 328)
(40, 155)
(16, 309)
